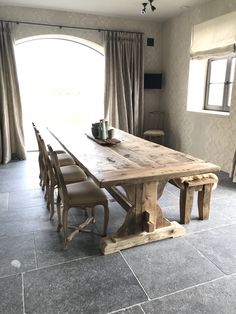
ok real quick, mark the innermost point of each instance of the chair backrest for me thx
(156, 120)
(46, 160)
(58, 173)
(36, 131)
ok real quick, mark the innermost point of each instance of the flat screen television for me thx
(152, 80)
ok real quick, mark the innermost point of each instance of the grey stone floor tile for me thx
(131, 310)
(91, 285)
(26, 220)
(223, 191)
(218, 245)
(11, 295)
(216, 219)
(49, 247)
(173, 189)
(4, 197)
(169, 265)
(218, 297)
(168, 200)
(17, 254)
(226, 206)
(26, 198)
(116, 217)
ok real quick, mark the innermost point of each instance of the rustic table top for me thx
(133, 160)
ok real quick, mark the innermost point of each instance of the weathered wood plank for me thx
(126, 175)
(132, 155)
(110, 245)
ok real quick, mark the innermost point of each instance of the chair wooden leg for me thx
(51, 200)
(204, 197)
(59, 224)
(40, 171)
(186, 204)
(106, 218)
(65, 225)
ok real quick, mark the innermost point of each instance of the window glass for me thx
(232, 71)
(219, 83)
(61, 84)
(216, 93)
(218, 71)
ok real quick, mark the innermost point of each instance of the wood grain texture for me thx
(110, 245)
(133, 160)
(142, 169)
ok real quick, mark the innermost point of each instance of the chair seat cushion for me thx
(65, 160)
(85, 192)
(154, 132)
(60, 151)
(73, 173)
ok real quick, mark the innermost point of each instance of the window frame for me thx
(226, 93)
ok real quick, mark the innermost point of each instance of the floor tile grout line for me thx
(135, 275)
(211, 228)
(205, 257)
(142, 309)
(188, 288)
(35, 252)
(126, 308)
(49, 266)
(175, 292)
(23, 292)
(59, 264)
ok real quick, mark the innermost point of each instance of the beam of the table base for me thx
(110, 244)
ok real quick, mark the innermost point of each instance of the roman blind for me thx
(214, 37)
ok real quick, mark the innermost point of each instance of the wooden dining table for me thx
(135, 172)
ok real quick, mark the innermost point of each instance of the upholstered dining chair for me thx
(81, 195)
(64, 160)
(42, 173)
(40, 158)
(71, 173)
(156, 126)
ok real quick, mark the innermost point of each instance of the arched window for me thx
(61, 83)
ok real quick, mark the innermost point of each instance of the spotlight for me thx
(144, 4)
(143, 11)
(153, 8)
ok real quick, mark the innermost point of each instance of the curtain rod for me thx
(72, 27)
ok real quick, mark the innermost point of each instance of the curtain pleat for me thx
(124, 107)
(11, 126)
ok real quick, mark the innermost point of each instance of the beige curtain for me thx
(124, 81)
(11, 129)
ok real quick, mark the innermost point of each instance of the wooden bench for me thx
(202, 184)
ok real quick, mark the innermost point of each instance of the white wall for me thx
(210, 137)
(152, 55)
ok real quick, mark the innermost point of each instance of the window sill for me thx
(210, 112)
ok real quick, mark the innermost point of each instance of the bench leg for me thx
(204, 197)
(186, 204)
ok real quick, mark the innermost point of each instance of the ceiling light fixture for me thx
(143, 11)
(144, 4)
(152, 6)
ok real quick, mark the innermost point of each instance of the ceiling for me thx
(116, 8)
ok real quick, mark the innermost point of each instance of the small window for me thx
(220, 77)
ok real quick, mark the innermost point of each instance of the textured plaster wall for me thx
(210, 137)
(152, 55)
